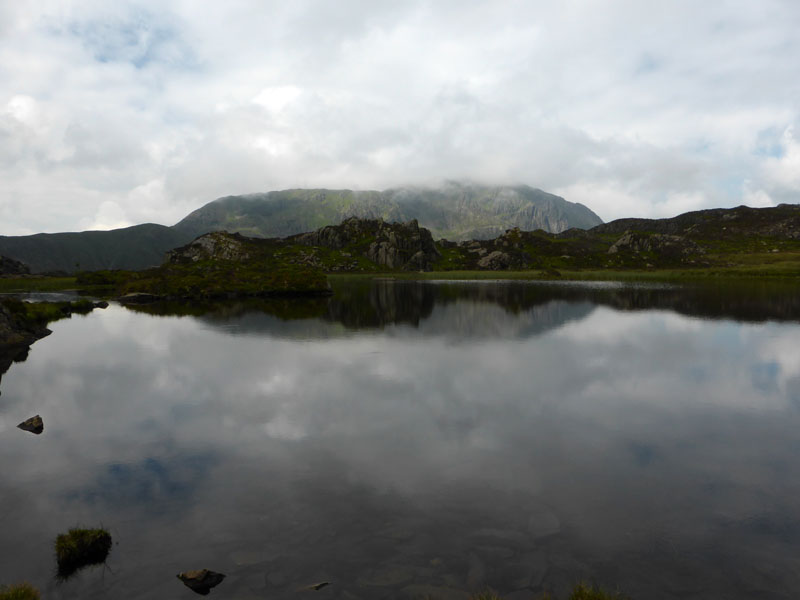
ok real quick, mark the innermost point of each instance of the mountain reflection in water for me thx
(412, 439)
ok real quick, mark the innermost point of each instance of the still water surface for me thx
(407, 440)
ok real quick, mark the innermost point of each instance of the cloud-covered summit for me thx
(120, 113)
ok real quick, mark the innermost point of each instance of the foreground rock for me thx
(201, 581)
(34, 425)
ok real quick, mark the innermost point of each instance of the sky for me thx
(118, 113)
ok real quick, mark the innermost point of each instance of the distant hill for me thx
(134, 247)
(455, 211)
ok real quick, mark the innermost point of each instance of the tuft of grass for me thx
(20, 591)
(584, 591)
(79, 548)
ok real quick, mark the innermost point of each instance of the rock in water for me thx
(34, 425)
(201, 581)
(318, 586)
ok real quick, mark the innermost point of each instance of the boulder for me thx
(34, 425)
(219, 245)
(495, 261)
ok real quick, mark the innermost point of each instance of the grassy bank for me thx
(657, 275)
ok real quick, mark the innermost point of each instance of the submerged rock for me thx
(34, 425)
(201, 581)
(543, 523)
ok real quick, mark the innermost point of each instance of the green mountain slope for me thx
(455, 211)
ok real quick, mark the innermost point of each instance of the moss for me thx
(79, 548)
(20, 591)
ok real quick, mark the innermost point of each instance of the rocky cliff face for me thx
(404, 246)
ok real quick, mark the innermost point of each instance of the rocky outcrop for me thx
(674, 246)
(11, 268)
(405, 246)
(219, 245)
(495, 261)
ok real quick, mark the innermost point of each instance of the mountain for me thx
(134, 247)
(456, 211)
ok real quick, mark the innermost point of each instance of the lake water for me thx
(412, 440)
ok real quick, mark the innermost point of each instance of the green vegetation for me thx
(36, 284)
(80, 548)
(42, 313)
(217, 279)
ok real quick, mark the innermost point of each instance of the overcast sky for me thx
(116, 113)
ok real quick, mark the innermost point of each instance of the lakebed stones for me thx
(34, 425)
(201, 581)
(543, 523)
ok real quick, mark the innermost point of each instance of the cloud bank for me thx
(121, 113)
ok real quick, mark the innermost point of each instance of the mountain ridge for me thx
(458, 210)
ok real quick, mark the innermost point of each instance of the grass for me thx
(79, 548)
(20, 591)
(36, 284)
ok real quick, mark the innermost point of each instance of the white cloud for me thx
(630, 109)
